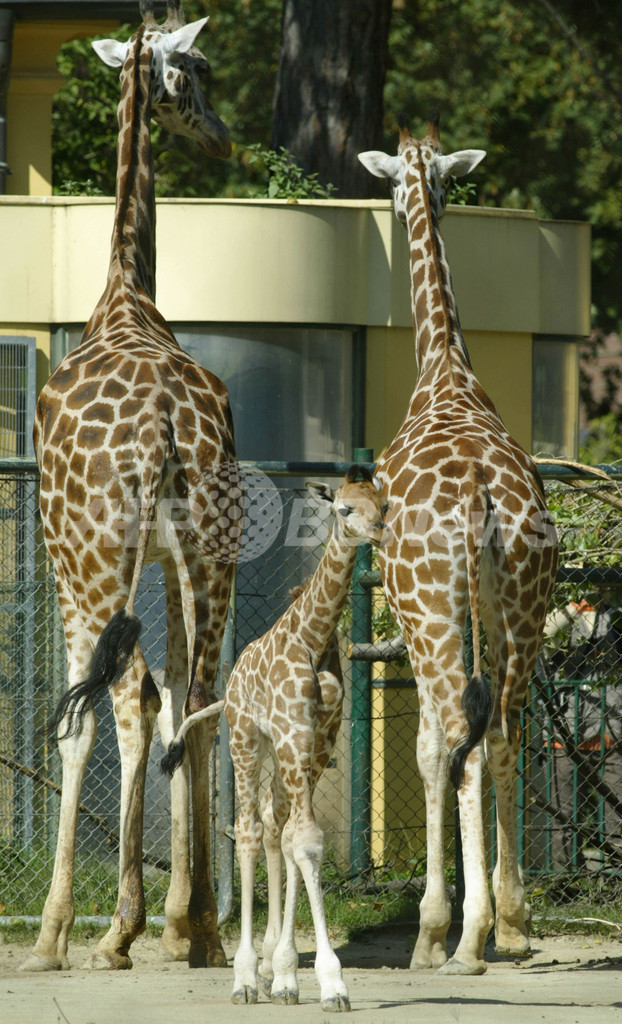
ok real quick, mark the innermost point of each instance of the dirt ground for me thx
(569, 980)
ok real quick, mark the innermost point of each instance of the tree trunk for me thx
(328, 101)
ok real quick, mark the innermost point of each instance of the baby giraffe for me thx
(285, 696)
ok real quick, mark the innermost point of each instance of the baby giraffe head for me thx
(359, 506)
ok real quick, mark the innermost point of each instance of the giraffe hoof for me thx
(523, 953)
(432, 958)
(174, 946)
(454, 966)
(217, 958)
(265, 983)
(284, 997)
(338, 1003)
(244, 996)
(171, 956)
(107, 962)
(36, 963)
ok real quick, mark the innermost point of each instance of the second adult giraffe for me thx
(471, 534)
(131, 434)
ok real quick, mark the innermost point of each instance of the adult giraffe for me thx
(471, 533)
(130, 432)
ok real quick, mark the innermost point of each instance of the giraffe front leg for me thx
(308, 849)
(285, 957)
(136, 703)
(50, 950)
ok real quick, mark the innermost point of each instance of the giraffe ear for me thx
(320, 491)
(457, 164)
(183, 39)
(381, 164)
(111, 51)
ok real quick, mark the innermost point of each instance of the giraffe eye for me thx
(345, 510)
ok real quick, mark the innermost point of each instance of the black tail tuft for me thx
(110, 659)
(173, 757)
(477, 707)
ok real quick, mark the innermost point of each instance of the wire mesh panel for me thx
(17, 395)
(569, 777)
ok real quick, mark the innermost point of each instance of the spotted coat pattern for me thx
(470, 534)
(285, 696)
(135, 446)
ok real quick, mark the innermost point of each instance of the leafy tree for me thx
(539, 85)
(241, 43)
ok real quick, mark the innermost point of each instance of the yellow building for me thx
(303, 309)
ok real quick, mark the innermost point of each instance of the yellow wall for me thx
(502, 362)
(34, 82)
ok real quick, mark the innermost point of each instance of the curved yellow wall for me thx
(33, 84)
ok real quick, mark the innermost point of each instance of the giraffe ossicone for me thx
(130, 432)
(285, 698)
(470, 534)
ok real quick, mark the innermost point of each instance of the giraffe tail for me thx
(177, 747)
(110, 660)
(477, 704)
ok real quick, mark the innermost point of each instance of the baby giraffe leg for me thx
(274, 814)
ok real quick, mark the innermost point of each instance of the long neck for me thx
(441, 351)
(130, 287)
(133, 235)
(325, 595)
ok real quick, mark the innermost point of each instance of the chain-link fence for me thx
(369, 801)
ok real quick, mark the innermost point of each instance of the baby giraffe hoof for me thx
(336, 1004)
(284, 997)
(265, 983)
(244, 996)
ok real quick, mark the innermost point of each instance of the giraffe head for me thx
(419, 159)
(359, 506)
(179, 75)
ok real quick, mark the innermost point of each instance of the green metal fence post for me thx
(360, 735)
(226, 795)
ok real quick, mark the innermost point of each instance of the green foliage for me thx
(462, 193)
(543, 99)
(603, 445)
(242, 44)
(286, 180)
(79, 188)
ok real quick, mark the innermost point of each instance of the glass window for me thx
(555, 407)
(290, 387)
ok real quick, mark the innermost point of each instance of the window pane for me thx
(555, 397)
